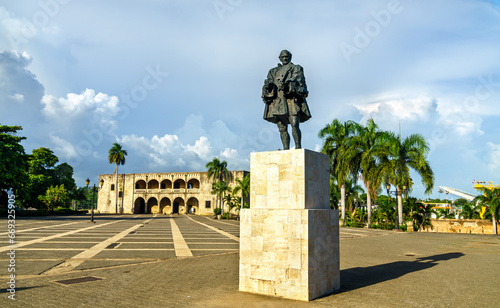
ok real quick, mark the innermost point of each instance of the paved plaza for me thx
(187, 260)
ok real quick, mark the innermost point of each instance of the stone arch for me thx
(166, 184)
(178, 206)
(192, 206)
(193, 184)
(152, 205)
(153, 184)
(179, 184)
(165, 206)
(139, 206)
(140, 184)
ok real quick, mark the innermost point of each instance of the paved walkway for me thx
(145, 261)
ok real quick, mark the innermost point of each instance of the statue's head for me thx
(285, 57)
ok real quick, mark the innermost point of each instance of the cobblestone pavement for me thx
(186, 261)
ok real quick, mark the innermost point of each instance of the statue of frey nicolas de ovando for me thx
(284, 93)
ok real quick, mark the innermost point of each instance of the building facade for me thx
(160, 193)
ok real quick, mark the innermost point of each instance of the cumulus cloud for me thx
(18, 85)
(80, 109)
(391, 109)
(171, 153)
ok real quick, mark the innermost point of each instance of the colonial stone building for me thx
(165, 193)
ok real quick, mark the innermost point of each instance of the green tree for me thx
(470, 211)
(399, 157)
(55, 196)
(422, 217)
(491, 199)
(63, 175)
(336, 142)
(242, 186)
(13, 161)
(41, 165)
(220, 189)
(366, 148)
(217, 171)
(117, 156)
(79, 194)
(334, 193)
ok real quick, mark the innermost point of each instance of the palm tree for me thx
(220, 189)
(366, 147)
(491, 199)
(400, 156)
(243, 186)
(217, 171)
(336, 137)
(117, 156)
(470, 211)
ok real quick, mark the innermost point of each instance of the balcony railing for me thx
(175, 191)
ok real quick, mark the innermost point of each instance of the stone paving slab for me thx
(393, 270)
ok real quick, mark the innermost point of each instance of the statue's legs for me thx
(285, 137)
(297, 135)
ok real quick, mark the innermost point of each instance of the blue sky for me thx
(178, 82)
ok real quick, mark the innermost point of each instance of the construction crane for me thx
(457, 192)
(480, 185)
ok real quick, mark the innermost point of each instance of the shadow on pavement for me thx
(360, 277)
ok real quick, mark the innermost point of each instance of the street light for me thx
(93, 196)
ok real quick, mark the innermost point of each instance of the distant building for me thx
(165, 193)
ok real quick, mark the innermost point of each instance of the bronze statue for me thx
(284, 93)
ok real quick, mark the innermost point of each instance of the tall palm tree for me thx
(220, 189)
(243, 186)
(364, 152)
(399, 157)
(491, 199)
(117, 156)
(336, 137)
(217, 171)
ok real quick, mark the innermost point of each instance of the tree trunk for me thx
(494, 223)
(116, 190)
(342, 202)
(369, 206)
(221, 204)
(400, 207)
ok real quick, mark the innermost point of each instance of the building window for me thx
(120, 194)
(112, 186)
(163, 186)
(207, 204)
(136, 185)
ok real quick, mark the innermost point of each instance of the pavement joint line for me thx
(222, 222)
(75, 261)
(43, 239)
(144, 249)
(180, 246)
(58, 249)
(28, 230)
(217, 230)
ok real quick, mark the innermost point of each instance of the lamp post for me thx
(93, 196)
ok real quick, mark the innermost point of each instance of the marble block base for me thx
(289, 238)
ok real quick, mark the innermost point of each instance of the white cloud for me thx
(494, 158)
(81, 108)
(17, 97)
(63, 147)
(391, 109)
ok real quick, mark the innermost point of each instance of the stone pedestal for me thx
(289, 238)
